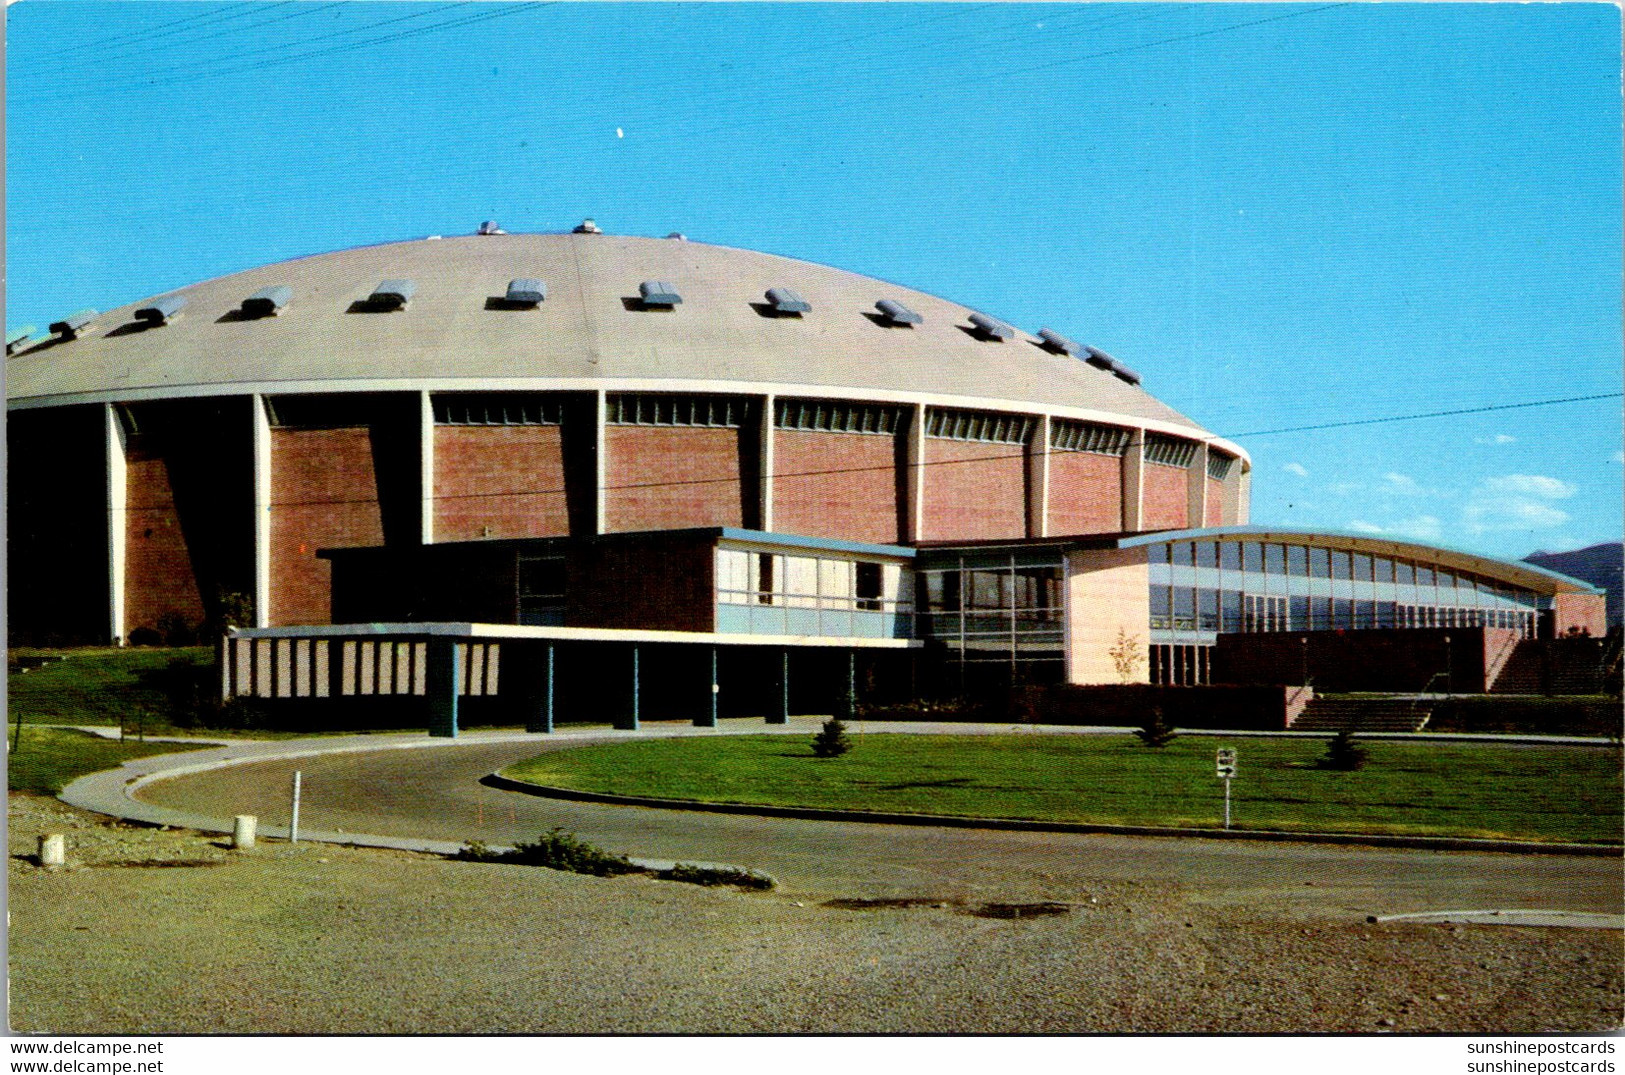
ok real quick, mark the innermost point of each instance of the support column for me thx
(1038, 450)
(1243, 494)
(262, 512)
(782, 702)
(600, 455)
(1134, 481)
(707, 716)
(1196, 488)
(538, 700)
(627, 719)
(443, 675)
(848, 707)
(426, 499)
(916, 474)
(117, 530)
(765, 459)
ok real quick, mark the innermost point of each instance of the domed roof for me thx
(592, 331)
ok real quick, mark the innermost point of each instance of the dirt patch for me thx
(1019, 910)
(1041, 909)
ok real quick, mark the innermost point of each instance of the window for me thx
(1169, 451)
(541, 591)
(1207, 608)
(1320, 563)
(1182, 553)
(1382, 569)
(1274, 559)
(1297, 561)
(764, 578)
(1362, 567)
(1404, 572)
(985, 426)
(1230, 556)
(834, 416)
(497, 409)
(868, 587)
(1207, 554)
(1341, 564)
(1252, 557)
(1230, 619)
(1218, 465)
(635, 409)
(1070, 436)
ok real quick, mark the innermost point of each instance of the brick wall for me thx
(324, 493)
(857, 502)
(1085, 493)
(662, 477)
(1586, 612)
(1215, 503)
(665, 584)
(1108, 602)
(499, 482)
(1167, 499)
(159, 579)
(974, 490)
(1400, 660)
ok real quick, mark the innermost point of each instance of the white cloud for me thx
(1499, 438)
(1418, 527)
(1619, 456)
(1516, 502)
(1393, 482)
(1296, 468)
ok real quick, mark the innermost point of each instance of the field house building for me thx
(492, 465)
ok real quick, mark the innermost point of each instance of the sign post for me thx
(1224, 767)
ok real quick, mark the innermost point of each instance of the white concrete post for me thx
(426, 499)
(916, 476)
(293, 825)
(766, 461)
(53, 850)
(262, 512)
(600, 460)
(1134, 482)
(1196, 488)
(1038, 450)
(242, 831)
(117, 531)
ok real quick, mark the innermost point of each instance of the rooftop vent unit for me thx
(1054, 341)
(991, 329)
(785, 301)
(391, 295)
(1123, 373)
(659, 293)
(267, 302)
(488, 227)
(70, 327)
(588, 227)
(679, 236)
(161, 311)
(1099, 359)
(18, 338)
(897, 313)
(526, 292)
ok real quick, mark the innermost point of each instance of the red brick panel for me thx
(324, 494)
(1167, 499)
(499, 482)
(159, 579)
(974, 490)
(849, 487)
(1215, 503)
(1085, 493)
(667, 477)
(663, 584)
(1585, 613)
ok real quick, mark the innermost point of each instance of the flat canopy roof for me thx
(1517, 573)
(498, 632)
(714, 533)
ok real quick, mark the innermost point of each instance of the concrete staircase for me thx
(1385, 713)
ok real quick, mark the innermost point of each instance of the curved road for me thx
(435, 794)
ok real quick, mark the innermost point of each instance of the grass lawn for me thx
(94, 686)
(1452, 789)
(49, 759)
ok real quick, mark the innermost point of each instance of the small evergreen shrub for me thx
(1155, 732)
(689, 873)
(1343, 753)
(556, 850)
(831, 740)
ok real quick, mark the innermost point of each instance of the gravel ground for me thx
(319, 939)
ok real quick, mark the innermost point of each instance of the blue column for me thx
(782, 702)
(627, 720)
(707, 715)
(539, 700)
(442, 676)
(849, 697)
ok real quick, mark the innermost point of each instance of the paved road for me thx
(435, 793)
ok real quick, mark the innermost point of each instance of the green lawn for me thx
(1455, 789)
(94, 686)
(48, 759)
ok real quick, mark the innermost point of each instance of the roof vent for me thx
(70, 327)
(679, 236)
(267, 302)
(161, 311)
(18, 338)
(526, 292)
(1123, 373)
(897, 313)
(488, 227)
(588, 227)
(1099, 359)
(391, 295)
(1054, 341)
(991, 329)
(659, 293)
(785, 301)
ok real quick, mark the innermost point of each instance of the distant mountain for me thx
(1601, 565)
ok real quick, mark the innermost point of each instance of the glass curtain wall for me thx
(995, 611)
(771, 594)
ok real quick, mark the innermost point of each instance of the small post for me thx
(707, 718)
(53, 850)
(783, 701)
(1224, 763)
(242, 831)
(293, 826)
(442, 680)
(1227, 804)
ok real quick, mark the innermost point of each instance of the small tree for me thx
(1126, 656)
(1155, 732)
(1343, 753)
(831, 741)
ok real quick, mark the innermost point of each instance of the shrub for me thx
(557, 850)
(1343, 753)
(831, 740)
(692, 874)
(1155, 732)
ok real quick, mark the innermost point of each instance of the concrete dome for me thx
(590, 332)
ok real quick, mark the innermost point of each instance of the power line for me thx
(1429, 414)
(77, 59)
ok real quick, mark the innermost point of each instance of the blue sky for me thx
(1283, 215)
